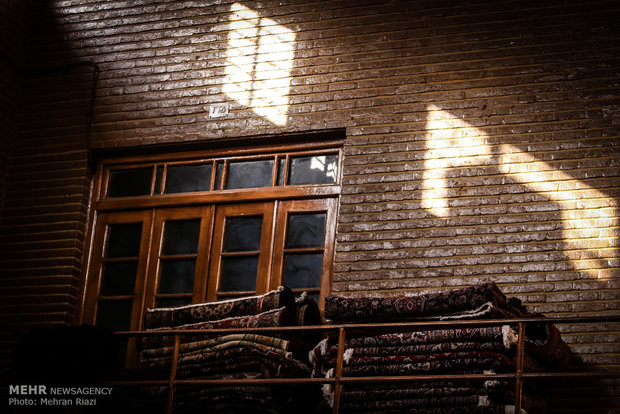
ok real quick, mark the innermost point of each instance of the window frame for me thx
(161, 199)
(285, 208)
(205, 213)
(154, 205)
(223, 212)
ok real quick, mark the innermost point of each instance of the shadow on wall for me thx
(588, 216)
(259, 58)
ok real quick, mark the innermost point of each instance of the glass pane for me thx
(302, 270)
(218, 175)
(181, 237)
(177, 276)
(243, 234)
(315, 296)
(172, 302)
(305, 230)
(115, 315)
(238, 274)
(188, 178)
(320, 169)
(249, 174)
(123, 240)
(158, 176)
(281, 167)
(119, 278)
(134, 182)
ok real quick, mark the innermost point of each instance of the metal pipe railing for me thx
(339, 379)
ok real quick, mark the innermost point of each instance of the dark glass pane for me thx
(315, 296)
(305, 230)
(134, 182)
(177, 276)
(124, 240)
(302, 270)
(281, 169)
(238, 274)
(115, 315)
(119, 278)
(249, 174)
(172, 302)
(218, 175)
(158, 177)
(320, 169)
(181, 237)
(188, 178)
(243, 234)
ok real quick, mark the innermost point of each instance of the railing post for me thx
(338, 370)
(173, 373)
(519, 368)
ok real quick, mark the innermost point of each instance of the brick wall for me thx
(47, 187)
(12, 40)
(482, 137)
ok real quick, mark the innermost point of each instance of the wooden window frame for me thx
(156, 208)
(265, 209)
(285, 208)
(205, 213)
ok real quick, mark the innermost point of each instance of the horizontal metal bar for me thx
(377, 326)
(376, 379)
(255, 381)
(585, 374)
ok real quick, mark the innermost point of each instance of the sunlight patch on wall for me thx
(450, 143)
(589, 217)
(587, 213)
(259, 59)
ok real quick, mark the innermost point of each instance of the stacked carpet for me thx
(450, 350)
(236, 355)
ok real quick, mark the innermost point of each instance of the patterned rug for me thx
(211, 311)
(450, 350)
(229, 356)
(453, 303)
(272, 318)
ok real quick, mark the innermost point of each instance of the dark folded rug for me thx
(343, 309)
(211, 311)
(502, 334)
(273, 318)
(237, 351)
(544, 342)
(165, 352)
(415, 390)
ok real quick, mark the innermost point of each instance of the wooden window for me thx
(177, 262)
(191, 227)
(241, 255)
(304, 245)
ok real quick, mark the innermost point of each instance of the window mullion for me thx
(143, 276)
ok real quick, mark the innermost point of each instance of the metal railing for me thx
(338, 380)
